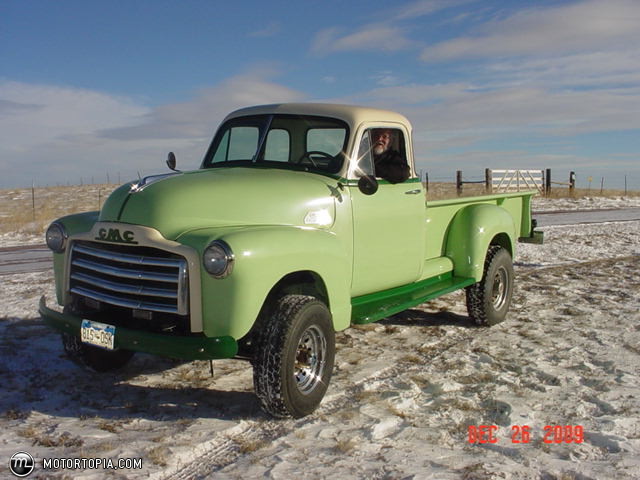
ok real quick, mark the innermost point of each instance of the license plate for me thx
(98, 334)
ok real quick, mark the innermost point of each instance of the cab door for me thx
(388, 225)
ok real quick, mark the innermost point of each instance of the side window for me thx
(277, 146)
(388, 154)
(364, 162)
(238, 143)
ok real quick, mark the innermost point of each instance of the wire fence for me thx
(546, 181)
(34, 207)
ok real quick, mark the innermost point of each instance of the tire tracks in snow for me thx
(250, 435)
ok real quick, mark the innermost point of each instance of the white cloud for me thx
(425, 7)
(52, 134)
(587, 69)
(379, 37)
(465, 113)
(198, 117)
(590, 25)
(270, 30)
(386, 78)
(31, 115)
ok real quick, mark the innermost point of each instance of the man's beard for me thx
(379, 149)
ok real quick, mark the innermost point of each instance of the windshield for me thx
(281, 141)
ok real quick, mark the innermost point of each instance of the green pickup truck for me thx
(302, 220)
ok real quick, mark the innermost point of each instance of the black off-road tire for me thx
(294, 359)
(96, 358)
(488, 301)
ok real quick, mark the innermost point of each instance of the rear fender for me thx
(471, 232)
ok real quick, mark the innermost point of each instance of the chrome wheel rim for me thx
(500, 288)
(310, 359)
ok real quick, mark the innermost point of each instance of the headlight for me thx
(56, 237)
(218, 259)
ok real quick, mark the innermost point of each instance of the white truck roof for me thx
(351, 114)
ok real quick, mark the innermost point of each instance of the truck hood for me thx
(177, 203)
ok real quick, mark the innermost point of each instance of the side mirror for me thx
(171, 161)
(368, 184)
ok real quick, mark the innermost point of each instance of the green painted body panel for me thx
(462, 229)
(388, 237)
(227, 196)
(114, 203)
(263, 256)
(471, 232)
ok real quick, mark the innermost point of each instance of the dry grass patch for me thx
(158, 455)
(15, 414)
(250, 445)
(393, 408)
(108, 426)
(412, 358)
(29, 210)
(345, 445)
(366, 396)
(99, 449)
(39, 438)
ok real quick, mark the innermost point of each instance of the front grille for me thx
(136, 278)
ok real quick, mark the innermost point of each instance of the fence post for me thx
(459, 182)
(426, 181)
(547, 182)
(488, 180)
(572, 183)
(33, 199)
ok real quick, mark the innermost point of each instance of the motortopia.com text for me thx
(91, 463)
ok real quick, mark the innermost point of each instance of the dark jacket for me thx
(391, 166)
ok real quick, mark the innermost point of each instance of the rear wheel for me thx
(488, 301)
(293, 363)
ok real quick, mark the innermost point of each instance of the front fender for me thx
(263, 256)
(73, 225)
(471, 232)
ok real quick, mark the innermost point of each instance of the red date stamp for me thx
(523, 434)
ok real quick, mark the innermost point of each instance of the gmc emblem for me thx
(113, 235)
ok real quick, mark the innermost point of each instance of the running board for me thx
(376, 306)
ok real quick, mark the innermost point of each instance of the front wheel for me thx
(293, 363)
(488, 300)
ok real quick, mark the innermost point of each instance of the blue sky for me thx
(90, 88)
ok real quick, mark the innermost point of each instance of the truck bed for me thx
(440, 213)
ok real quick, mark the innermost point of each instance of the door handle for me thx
(413, 192)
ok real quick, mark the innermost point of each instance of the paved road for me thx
(36, 258)
(577, 217)
(32, 258)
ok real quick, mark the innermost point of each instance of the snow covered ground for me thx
(404, 392)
